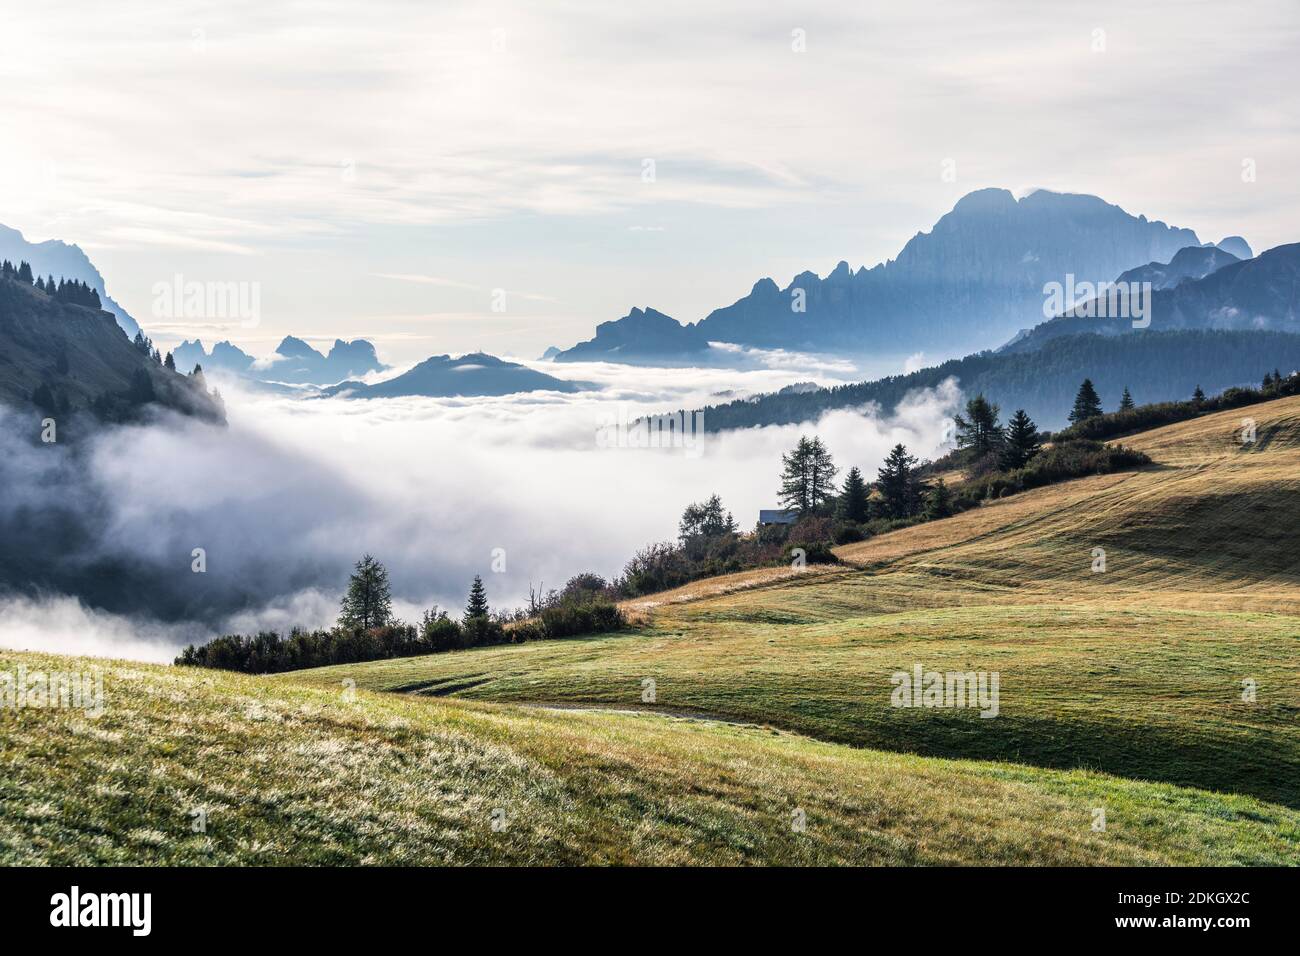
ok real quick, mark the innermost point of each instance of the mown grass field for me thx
(293, 774)
(1119, 690)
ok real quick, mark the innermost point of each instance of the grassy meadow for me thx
(770, 737)
(292, 774)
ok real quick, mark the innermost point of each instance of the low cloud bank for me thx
(286, 499)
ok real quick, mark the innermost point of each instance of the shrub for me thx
(847, 532)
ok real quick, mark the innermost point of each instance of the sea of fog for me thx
(525, 490)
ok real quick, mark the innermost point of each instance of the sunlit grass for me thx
(289, 774)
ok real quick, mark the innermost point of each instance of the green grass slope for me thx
(295, 774)
(1136, 671)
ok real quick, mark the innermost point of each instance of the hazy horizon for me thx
(384, 178)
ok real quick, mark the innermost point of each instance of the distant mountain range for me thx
(294, 362)
(1262, 293)
(63, 359)
(1228, 327)
(640, 336)
(1194, 262)
(974, 279)
(442, 376)
(63, 261)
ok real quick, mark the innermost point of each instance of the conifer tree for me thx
(979, 428)
(897, 481)
(854, 503)
(807, 476)
(477, 606)
(1086, 403)
(1022, 441)
(938, 503)
(1125, 401)
(368, 601)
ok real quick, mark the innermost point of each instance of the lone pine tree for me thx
(368, 602)
(477, 606)
(1086, 404)
(807, 476)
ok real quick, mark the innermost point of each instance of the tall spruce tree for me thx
(854, 503)
(476, 608)
(979, 429)
(1021, 441)
(1125, 400)
(368, 602)
(1198, 396)
(1086, 404)
(896, 479)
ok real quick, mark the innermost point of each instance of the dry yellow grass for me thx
(725, 584)
(1210, 526)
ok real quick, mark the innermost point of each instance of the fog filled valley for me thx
(526, 490)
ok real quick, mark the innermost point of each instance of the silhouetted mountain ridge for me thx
(66, 261)
(974, 279)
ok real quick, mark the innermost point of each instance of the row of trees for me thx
(368, 630)
(145, 345)
(72, 291)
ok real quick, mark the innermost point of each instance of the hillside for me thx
(82, 356)
(293, 775)
(1120, 690)
(1135, 671)
(1261, 294)
(63, 261)
(1155, 367)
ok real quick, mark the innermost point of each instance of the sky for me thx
(395, 170)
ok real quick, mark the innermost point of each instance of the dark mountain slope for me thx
(1194, 262)
(63, 261)
(640, 336)
(62, 358)
(1261, 293)
(1158, 366)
